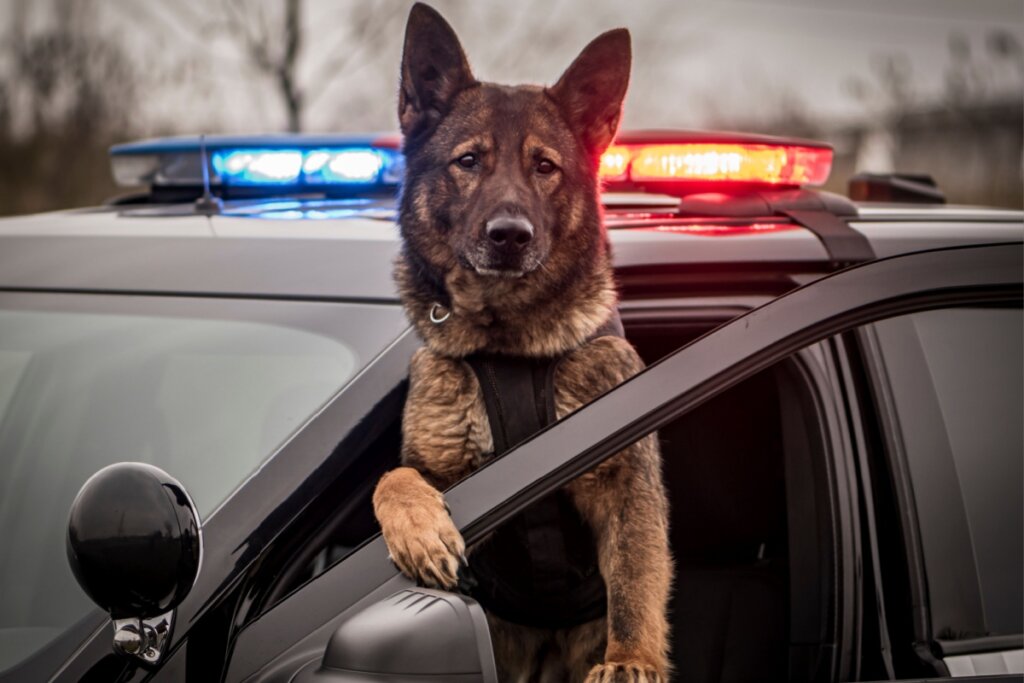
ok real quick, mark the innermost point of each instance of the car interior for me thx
(749, 532)
(750, 528)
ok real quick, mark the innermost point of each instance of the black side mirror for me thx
(134, 544)
(416, 634)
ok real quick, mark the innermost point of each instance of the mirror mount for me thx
(143, 639)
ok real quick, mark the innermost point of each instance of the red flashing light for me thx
(751, 160)
(615, 163)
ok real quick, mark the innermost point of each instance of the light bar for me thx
(278, 163)
(665, 162)
(755, 161)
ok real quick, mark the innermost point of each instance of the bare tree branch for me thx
(368, 28)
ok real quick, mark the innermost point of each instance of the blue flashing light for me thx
(346, 166)
(258, 166)
(355, 165)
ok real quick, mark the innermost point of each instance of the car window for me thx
(204, 398)
(956, 381)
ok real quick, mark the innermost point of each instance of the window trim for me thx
(812, 368)
(874, 609)
(899, 471)
(848, 528)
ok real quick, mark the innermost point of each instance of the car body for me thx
(804, 352)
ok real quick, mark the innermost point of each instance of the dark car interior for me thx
(749, 535)
(750, 530)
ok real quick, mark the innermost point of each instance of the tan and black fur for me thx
(503, 242)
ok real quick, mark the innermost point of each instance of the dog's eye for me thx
(467, 161)
(545, 166)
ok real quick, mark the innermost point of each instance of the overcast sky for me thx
(694, 60)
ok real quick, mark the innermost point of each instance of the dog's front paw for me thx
(421, 538)
(624, 672)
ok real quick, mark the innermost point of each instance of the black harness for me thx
(540, 567)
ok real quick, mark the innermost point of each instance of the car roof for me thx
(347, 255)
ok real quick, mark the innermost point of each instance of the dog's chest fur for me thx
(445, 413)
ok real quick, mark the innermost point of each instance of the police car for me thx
(836, 382)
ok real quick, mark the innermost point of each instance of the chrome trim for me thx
(143, 639)
(986, 663)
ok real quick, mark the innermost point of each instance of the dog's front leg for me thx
(625, 503)
(444, 432)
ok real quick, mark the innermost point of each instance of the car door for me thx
(295, 631)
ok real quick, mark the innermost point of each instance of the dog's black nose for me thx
(510, 231)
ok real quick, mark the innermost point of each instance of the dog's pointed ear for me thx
(591, 90)
(434, 70)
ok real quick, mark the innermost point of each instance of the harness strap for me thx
(519, 392)
(515, 395)
(538, 568)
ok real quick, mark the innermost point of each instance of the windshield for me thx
(205, 399)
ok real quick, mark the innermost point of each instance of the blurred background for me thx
(932, 86)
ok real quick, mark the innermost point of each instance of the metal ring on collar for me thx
(438, 319)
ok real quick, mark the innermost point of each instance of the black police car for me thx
(836, 383)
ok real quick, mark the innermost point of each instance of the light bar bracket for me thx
(845, 246)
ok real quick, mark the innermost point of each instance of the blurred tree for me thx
(273, 39)
(281, 42)
(272, 50)
(969, 138)
(972, 80)
(888, 91)
(888, 95)
(66, 94)
(781, 110)
(1004, 45)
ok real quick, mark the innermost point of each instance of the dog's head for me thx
(501, 180)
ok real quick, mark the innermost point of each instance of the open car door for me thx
(295, 633)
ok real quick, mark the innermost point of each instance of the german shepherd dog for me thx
(505, 253)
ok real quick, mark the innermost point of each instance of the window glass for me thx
(956, 379)
(205, 399)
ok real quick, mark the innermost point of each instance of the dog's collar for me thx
(438, 314)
